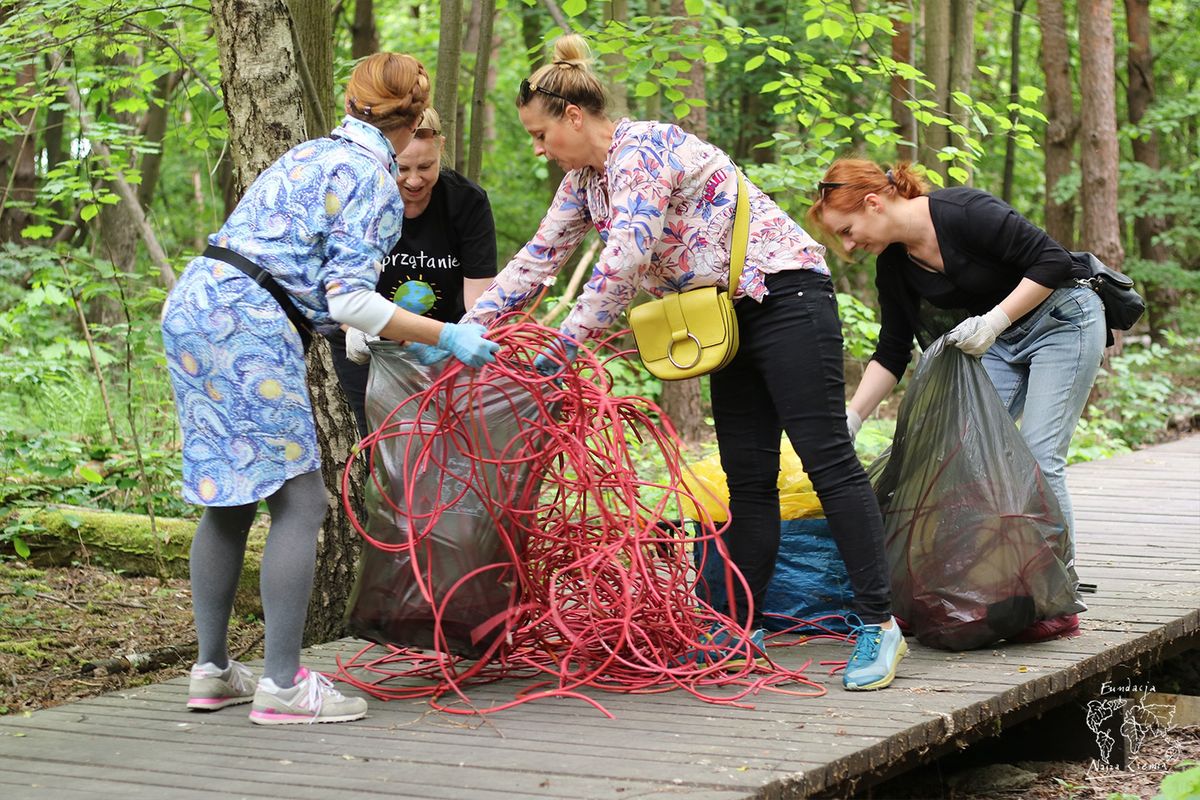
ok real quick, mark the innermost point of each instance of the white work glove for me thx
(853, 422)
(974, 335)
(356, 345)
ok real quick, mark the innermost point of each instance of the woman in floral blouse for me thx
(663, 202)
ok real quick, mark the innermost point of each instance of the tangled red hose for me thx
(604, 592)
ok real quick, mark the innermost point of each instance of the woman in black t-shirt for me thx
(445, 259)
(961, 251)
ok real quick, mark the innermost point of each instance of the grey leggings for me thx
(297, 510)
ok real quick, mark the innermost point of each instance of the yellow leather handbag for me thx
(688, 334)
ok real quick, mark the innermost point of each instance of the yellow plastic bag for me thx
(706, 481)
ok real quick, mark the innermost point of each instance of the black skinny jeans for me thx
(787, 376)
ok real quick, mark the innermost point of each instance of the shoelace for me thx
(867, 642)
(319, 687)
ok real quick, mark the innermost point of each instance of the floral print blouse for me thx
(664, 208)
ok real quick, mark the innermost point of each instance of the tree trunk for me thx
(617, 11)
(312, 27)
(365, 36)
(903, 89)
(937, 40)
(263, 94)
(155, 127)
(18, 174)
(962, 67)
(1063, 125)
(1140, 96)
(1014, 86)
(445, 95)
(1100, 232)
(479, 104)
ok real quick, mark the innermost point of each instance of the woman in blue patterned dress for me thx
(663, 201)
(316, 221)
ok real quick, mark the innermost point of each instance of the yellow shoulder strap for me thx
(741, 234)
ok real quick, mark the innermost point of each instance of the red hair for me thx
(848, 181)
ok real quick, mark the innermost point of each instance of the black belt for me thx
(266, 281)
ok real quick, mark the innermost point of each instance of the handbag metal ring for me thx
(696, 360)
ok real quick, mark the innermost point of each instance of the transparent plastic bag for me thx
(456, 505)
(976, 542)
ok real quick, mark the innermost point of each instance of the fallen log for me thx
(141, 662)
(66, 535)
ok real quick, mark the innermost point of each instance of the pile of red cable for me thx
(591, 561)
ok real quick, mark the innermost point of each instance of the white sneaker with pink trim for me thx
(312, 699)
(212, 688)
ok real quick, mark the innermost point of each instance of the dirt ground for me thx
(56, 622)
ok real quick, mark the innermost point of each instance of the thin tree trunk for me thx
(1014, 86)
(312, 26)
(903, 89)
(1139, 94)
(1101, 231)
(364, 35)
(261, 84)
(1063, 124)
(962, 68)
(445, 95)
(654, 101)
(617, 11)
(479, 103)
(155, 127)
(937, 70)
(18, 174)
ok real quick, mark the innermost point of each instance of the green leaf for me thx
(959, 174)
(714, 53)
(573, 8)
(781, 56)
(1030, 94)
(681, 110)
(645, 89)
(37, 232)
(89, 211)
(88, 474)
(822, 129)
(812, 31)
(832, 28)
(20, 546)
(755, 62)
(694, 7)
(62, 31)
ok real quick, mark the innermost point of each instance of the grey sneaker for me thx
(312, 699)
(212, 688)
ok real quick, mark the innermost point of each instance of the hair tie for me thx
(890, 178)
(564, 63)
(364, 110)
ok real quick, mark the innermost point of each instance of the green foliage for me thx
(860, 331)
(1182, 785)
(1138, 391)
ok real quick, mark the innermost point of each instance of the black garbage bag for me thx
(976, 542)
(443, 482)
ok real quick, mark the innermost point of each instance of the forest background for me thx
(129, 129)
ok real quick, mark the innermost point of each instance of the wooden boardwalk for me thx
(1139, 541)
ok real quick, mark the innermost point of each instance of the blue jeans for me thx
(787, 376)
(1043, 369)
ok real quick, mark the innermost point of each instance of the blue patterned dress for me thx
(319, 220)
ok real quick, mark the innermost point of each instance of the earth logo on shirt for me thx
(416, 297)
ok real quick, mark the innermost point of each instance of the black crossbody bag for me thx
(1122, 305)
(264, 279)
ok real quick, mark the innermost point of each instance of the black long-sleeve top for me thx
(986, 247)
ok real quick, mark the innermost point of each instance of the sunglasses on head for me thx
(426, 133)
(527, 91)
(826, 186)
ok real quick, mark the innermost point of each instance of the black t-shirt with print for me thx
(454, 238)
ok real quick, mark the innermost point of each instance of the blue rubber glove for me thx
(466, 343)
(551, 361)
(426, 354)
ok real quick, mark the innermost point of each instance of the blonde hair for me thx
(388, 90)
(567, 79)
(848, 181)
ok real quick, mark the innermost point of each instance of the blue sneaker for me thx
(877, 653)
(719, 641)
